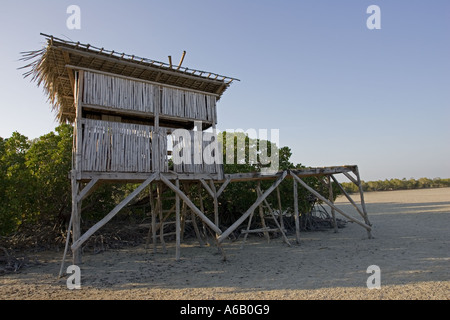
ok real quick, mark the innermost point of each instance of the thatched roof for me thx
(54, 65)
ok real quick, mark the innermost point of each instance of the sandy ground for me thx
(411, 246)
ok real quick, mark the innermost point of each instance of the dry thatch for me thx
(53, 67)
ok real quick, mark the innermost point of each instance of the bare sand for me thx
(411, 245)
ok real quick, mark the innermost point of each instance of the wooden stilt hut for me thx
(123, 109)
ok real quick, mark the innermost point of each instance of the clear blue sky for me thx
(338, 92)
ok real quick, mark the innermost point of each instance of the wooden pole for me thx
(216, 203)
(76, 220)
(280, 209)
(113, 212)
(177, 222)
(361, 192)
(66, 247)
(248, 229)
(161, 220)
(238, 222)
(191, 205)
(153, 217)
(202, 209)
(331, 198)
(276, 222)
(261, 212)
(318, 195)
(296, 214)
(348, 196)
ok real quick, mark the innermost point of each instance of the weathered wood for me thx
(202, 209)
(296, 214)
(161, 219)
(87, 190)
(238, 222)
(249, 223)
(76, 219)
(78, 107)
(207, 188)
(280, 209)
(215, 203)
(191, 205)
(113, 212)
(153, 215)
(318, 195)
(276, 221)
(351, 178)
(361, 193)
(263, 230)
(331, 198)
(349, 198)
(136, 79)
(261, 213)
(177, 220)
(222, 187)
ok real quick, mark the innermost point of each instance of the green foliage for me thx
(239, 196)
(397, 184)
(15, 182)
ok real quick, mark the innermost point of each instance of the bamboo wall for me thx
(125, 94)
(125, 147)
(118, 147)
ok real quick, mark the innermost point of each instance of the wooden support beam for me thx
(177, 222)
(222, 188)
(318, 195)
(238, 222)
(69, 70)
(215, 202)
(76, 218)
(361, 192)
(281, 229)
(261, 212)
(348, 196)
(280, 209)
(350, 178)
(331, 198)
(113, 212)
(160, 212)
(296, 213)
(208, 189)
(264, 230)
(191, 205)
(153, 217)
(88, 190)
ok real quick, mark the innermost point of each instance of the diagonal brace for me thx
(113, 212)
(258, 201)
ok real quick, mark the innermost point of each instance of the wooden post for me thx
(280, 209)
(79, 129)
(113, 212)
(202, 209)
(216, 203)
(318, 195)
(183, 220)
(331, 198)
(276, 222)
(348, 196)
(361, 192)
(161, 220)
(296, 214)
(177, 222)
(156, 157)
(191, 205)
(261, 212)
(153, 217)
(239, 221)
